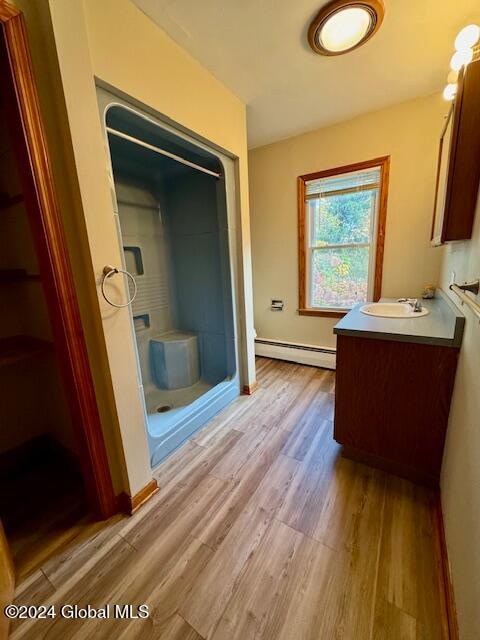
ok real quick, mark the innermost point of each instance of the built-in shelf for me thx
(16, 348)
(10, 201)
(17, 275)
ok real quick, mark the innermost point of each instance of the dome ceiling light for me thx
(343, 25)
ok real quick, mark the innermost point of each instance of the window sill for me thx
(325, 313)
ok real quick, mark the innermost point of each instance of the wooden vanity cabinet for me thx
(392, 403)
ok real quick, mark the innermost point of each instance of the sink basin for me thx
(392, 310)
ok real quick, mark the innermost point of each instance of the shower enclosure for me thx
(173, 198)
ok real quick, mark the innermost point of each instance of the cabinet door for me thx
(392, 401)
(458, 182)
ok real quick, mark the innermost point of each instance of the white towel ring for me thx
(108, 272)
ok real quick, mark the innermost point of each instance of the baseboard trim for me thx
(130, 504)
(452, 632)
(296, 352)
(248, 389)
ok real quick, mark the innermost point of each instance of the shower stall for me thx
(174, 204)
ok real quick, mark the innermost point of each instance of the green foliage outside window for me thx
(340, 274)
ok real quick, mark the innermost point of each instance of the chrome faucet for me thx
(415, 303)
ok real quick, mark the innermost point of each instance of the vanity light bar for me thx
(465, 46)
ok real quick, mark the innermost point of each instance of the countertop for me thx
(443, 326)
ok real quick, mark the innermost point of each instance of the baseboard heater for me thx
(296, 352)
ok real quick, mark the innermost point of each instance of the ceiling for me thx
(258, 49)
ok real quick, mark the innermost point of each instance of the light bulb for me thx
(450, 92)
(467, 37)
(461, 58)
(345, 28)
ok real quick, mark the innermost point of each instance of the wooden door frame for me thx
(45, 219)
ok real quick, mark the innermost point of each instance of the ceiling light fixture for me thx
(343, 25)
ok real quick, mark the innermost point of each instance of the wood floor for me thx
(260, 531)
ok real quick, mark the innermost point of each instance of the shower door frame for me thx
(119, 99)
(57, 276)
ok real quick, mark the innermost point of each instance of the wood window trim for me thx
(384, 163)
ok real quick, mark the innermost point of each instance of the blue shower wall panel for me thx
(201, 272)
(226, 282)
(196, 264)
(214, 356)
(190, 307)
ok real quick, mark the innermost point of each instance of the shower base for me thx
(175, 398)
(190, 409)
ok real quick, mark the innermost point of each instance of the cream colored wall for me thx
(409, 133)
(114, 42)
(70, 31)
(460, 481)
(160, 74)
(215, 114)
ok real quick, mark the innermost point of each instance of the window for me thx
(341, 236)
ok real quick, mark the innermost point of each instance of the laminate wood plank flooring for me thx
(260, 530)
